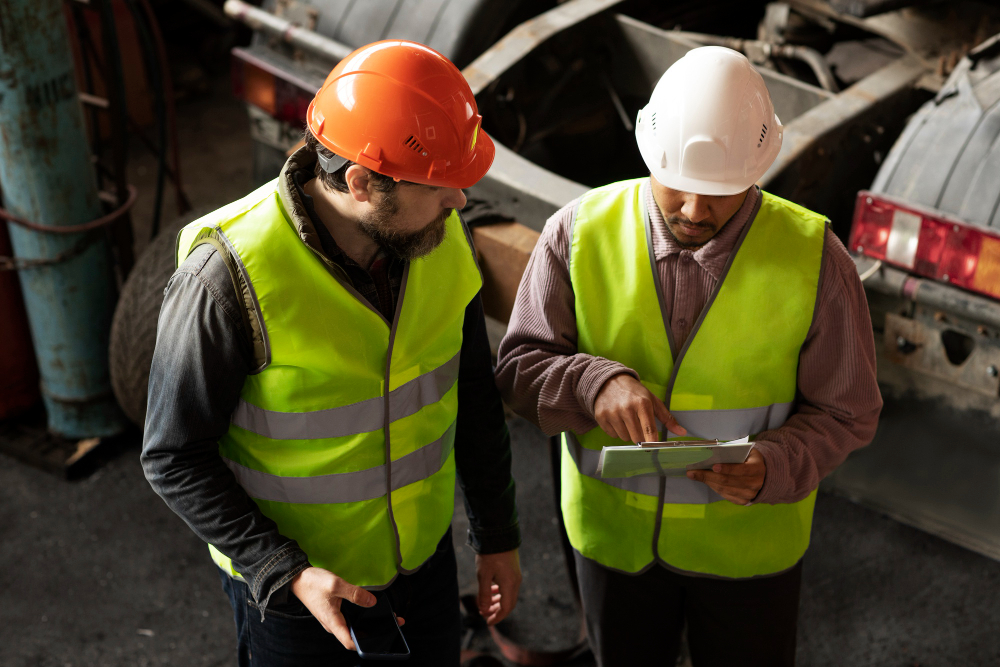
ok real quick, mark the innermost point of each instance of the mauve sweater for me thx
(545, 379)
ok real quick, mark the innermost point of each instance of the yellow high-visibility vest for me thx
(735, 375)
(345, 436)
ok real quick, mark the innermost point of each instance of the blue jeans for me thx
(289, 636)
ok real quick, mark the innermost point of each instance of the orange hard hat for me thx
(404, 110)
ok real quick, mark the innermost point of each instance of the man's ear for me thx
(359, 183)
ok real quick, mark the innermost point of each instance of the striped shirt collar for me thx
(713, 255)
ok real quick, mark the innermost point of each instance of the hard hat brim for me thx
(650, 153)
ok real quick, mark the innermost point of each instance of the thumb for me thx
(660, 409)
(352, 593)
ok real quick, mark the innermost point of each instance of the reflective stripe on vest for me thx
(734, 376)
(351, 419)
(347, 487)
(345, 438)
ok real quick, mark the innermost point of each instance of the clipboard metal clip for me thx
(679, 443)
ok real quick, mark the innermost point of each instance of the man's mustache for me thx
(677, 220)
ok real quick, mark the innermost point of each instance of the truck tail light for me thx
(926, 242)
(277, 93)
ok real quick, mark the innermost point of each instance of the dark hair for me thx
(336, 180)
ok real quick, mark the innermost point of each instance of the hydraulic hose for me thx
(183, 205)
(810, 57)
(153, 72)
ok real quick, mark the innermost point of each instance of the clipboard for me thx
(671, 458)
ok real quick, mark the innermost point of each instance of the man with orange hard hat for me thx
(322, 375)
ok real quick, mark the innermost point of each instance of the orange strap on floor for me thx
(522, 655)
(517, 653)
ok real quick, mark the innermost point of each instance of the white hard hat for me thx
(709, 127)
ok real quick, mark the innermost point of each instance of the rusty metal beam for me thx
(526, 37)
(519, 186)
(296, 35)
(801, 133)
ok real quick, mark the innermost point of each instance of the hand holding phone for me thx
(375, 632)
(322, 592)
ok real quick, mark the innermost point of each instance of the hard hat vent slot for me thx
(414, 145)
(652, 121)
(763, 133)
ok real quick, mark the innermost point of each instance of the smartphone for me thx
(374, 630)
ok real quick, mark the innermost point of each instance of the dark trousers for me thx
(637, 620)
(289, 636)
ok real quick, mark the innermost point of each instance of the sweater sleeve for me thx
(838, 401)
(541, 375)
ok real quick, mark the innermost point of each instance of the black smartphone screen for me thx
(374, 630)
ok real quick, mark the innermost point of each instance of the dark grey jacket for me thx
(203, 355)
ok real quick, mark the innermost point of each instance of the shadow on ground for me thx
(98, 572)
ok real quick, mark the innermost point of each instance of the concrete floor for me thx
(99, 572)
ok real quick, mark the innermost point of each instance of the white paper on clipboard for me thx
(670, 459)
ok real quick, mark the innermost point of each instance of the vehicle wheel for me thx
(133, 327)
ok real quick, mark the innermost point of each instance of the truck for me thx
(890, 113)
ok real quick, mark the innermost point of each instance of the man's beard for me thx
(378, 226)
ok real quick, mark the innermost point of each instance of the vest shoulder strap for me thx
(797, 211)
(249, 315)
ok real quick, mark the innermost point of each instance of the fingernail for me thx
(717, 468)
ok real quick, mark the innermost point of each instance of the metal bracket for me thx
(299, 13)
(920, 346)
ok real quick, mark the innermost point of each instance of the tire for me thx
(133, 327)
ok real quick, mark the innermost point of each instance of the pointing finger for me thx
(635, 430)
(647, 418)
(660, 409)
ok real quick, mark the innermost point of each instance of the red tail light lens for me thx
(926, 242)
(276, 92)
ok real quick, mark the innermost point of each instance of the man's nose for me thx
(454, 198)
(695, 208)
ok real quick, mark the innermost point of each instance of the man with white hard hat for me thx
(693, 300)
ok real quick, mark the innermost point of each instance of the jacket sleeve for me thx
(482, 444)
(201, 360)
(838, 397)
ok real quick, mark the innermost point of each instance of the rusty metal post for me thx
(47, 177)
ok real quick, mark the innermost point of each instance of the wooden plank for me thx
(504, 249)
(297, 146)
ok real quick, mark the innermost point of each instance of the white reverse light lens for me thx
(902, 245)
